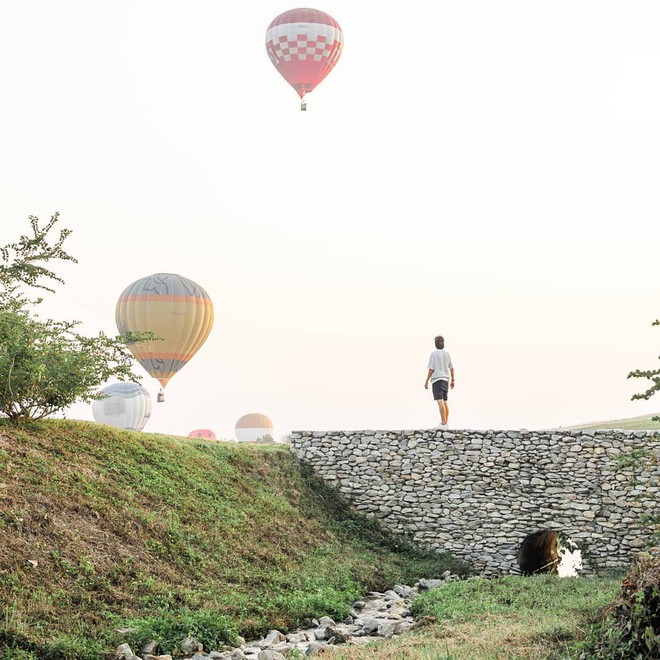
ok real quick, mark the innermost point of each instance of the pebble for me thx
(377, 616)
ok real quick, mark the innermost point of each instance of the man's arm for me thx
(451, 382)
(428, 377)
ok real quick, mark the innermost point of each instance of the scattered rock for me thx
(403, 591)
(282, 647)
(124, 651)
(273, 637)
(340, 636)
(386, 630)
(270, 655)
(427, 585)
(314, 648)
(370, 626)
(150, 647)
(401, 627)
(191, 645)
(378, 616)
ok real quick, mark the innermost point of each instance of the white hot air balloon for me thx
(254, 428)
(125, 406)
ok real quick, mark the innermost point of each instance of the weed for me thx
(630, 626)
(170, 628)
(630, 459)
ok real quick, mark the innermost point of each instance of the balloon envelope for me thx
(206, 434)
(125, 406)
(304, 45)
(253, 427)
(173, 308)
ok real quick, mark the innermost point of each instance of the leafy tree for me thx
(46, 366)
(653, 375)
(23, 262)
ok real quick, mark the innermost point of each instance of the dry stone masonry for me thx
(479, 494)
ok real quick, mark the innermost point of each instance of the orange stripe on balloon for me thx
(184, 357)
(150, 297)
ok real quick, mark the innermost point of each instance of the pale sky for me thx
(483, 170)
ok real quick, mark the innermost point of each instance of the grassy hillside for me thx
(104, 529)
(644, 423)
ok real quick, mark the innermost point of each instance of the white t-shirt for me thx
(440, 362)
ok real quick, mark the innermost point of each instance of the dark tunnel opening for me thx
(551, 552)
(539, 553)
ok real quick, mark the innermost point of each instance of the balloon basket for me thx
(160, 397)
(303, 105)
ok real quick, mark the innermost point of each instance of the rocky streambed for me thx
(379, 615)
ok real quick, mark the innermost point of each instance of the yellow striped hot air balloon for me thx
(173, 308)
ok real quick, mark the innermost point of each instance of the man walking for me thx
(441, 375)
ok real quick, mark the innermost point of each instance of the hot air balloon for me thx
(205, 434)
(173, 308)
(304, 45)
(254, 427)
(125, 406)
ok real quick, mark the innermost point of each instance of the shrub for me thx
(630, 626)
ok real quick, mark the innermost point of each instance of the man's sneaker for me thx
(441, 427)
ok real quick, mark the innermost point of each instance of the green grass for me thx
(511, 617)
(643, 423)
(543, 594)
(104, 529)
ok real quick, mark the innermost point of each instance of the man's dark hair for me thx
(439, 342)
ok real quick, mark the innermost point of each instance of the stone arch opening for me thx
(549, 551)
(539, 553)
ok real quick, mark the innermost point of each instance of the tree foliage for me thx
(24, 261)
(652, 375)
(45, 365)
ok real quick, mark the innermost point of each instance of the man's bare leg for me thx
(440, 408)
(444, 411)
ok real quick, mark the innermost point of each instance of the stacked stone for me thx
(478, 494)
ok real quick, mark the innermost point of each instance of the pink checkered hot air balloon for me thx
(304, 45)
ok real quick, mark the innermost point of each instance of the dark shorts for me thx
(440, 389)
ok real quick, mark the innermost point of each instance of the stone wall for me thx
(478, 494)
